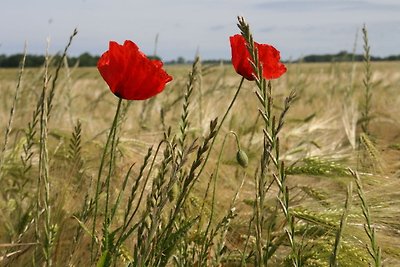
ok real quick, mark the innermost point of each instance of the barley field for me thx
(174, 182)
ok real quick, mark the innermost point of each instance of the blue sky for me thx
(295, 27)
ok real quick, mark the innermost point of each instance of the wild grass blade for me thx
(12, 111)
(333, 261)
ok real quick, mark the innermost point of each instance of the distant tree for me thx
(181, 60)
(394, 57)
(34, 60)
(87, 60)
(72, 61)
(12, 61)
(342, 56)
(2, 58)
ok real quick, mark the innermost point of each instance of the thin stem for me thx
(237, 139)
(44, 171)
(367, 81)
(112, 155)
(270, 163)
(60, 63)
(220, 125)
(374, 250)
(211, 216)
(12, 111)
(96, 197)
(333, 262)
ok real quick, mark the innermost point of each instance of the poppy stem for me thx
(113, 131)
(111, 137)
(220, 125)
(237, 139)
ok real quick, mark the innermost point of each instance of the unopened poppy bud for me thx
(242, 158)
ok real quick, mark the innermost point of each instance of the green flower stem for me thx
(220, 125)
(237, 139)
(111, 137)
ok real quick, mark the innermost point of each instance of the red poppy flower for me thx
(130, 74)
(268, 56)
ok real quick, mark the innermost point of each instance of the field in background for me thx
(319, 142)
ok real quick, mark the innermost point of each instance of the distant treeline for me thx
(344, 56)
(13, 61)
(88, 60)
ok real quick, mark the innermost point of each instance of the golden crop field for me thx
(167, 192)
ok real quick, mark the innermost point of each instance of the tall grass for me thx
(215, 171)
(270, 159)
(366, 112)
(12, 111)
(373, 249)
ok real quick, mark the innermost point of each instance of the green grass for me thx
(318, 142)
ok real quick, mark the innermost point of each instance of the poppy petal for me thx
(241, 57)
(269, 58)
(130, 74)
